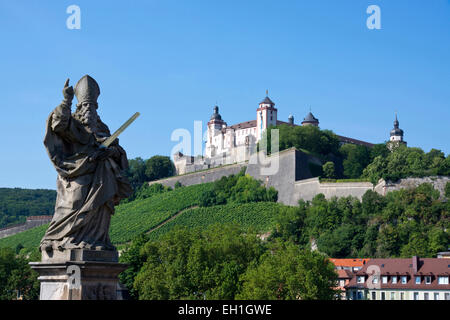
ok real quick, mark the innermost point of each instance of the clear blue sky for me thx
(172, 60)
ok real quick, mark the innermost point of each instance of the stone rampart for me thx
(30, 223)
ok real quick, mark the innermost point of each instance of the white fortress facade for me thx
(236, 143)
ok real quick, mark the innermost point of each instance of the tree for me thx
(133, 257)
(159, 167)
(136, 172)
(310, 138)
(16, 277)
(356, 158)
(285, 272)
(379, 149)
(447, 190)
(195, 264)
(328, 170)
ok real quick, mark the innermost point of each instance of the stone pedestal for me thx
(79, 274)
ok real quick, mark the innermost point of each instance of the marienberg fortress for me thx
(229, 149)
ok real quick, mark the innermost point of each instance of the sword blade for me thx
(114, 136)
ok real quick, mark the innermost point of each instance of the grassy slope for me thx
(139, 216)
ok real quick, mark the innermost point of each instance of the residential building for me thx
(401, 279)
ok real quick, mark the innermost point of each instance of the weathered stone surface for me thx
(78, 259)
(79, 255)
(78, 280)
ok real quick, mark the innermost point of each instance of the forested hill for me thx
(17, 204)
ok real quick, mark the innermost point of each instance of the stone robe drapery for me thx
(86, 191)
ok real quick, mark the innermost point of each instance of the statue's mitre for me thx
(87, 90)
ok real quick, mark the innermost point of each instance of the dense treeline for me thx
(17, 204)
(405, 162)
(404, 223)
(351, 161)
(224, 262)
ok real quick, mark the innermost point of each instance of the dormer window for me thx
(442, 280)
(427, 279)
(404, 280)
(384, 279)
(394, 279)
(375, 279)
(418, 280)
(360, 279)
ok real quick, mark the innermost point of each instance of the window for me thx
(383, 296)
(392, 295)
(394, 279)
(402, 296)
(442, 280)
(427, 279)
(416, 296)
(361, 279)
(425, 296)
(447, 296)
(436, 296)
(375, 279)
(384, 279)
(404, 280)
(360, 295)
(417, 280)
(374, 295)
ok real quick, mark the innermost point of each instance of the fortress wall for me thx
(294, 181)
(292, 165)
(201, 176)
(23, 227)
(438, 183)
(309, 188)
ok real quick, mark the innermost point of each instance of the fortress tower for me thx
(396, 137)
(266, 116)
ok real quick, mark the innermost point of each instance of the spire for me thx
(396, 123)
(216, 115)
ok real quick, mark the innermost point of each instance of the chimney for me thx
(415, 263)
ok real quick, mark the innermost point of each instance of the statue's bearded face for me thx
(87, 114)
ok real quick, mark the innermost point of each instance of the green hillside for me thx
(17, 204)
(142, 215)
(257, 215)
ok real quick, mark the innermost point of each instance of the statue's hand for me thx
(68, 92)
(102, 153)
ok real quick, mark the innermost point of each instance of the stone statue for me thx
(90, 181)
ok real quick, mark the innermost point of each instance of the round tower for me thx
(310, 120)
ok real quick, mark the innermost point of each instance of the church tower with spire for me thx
(396, 137)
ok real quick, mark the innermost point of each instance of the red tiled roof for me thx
(357, 262)
(344, 274)
(433, 267)
(244, 125)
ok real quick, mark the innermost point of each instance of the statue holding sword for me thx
(89, 162)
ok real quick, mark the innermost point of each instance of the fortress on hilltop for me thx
(227, 145)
